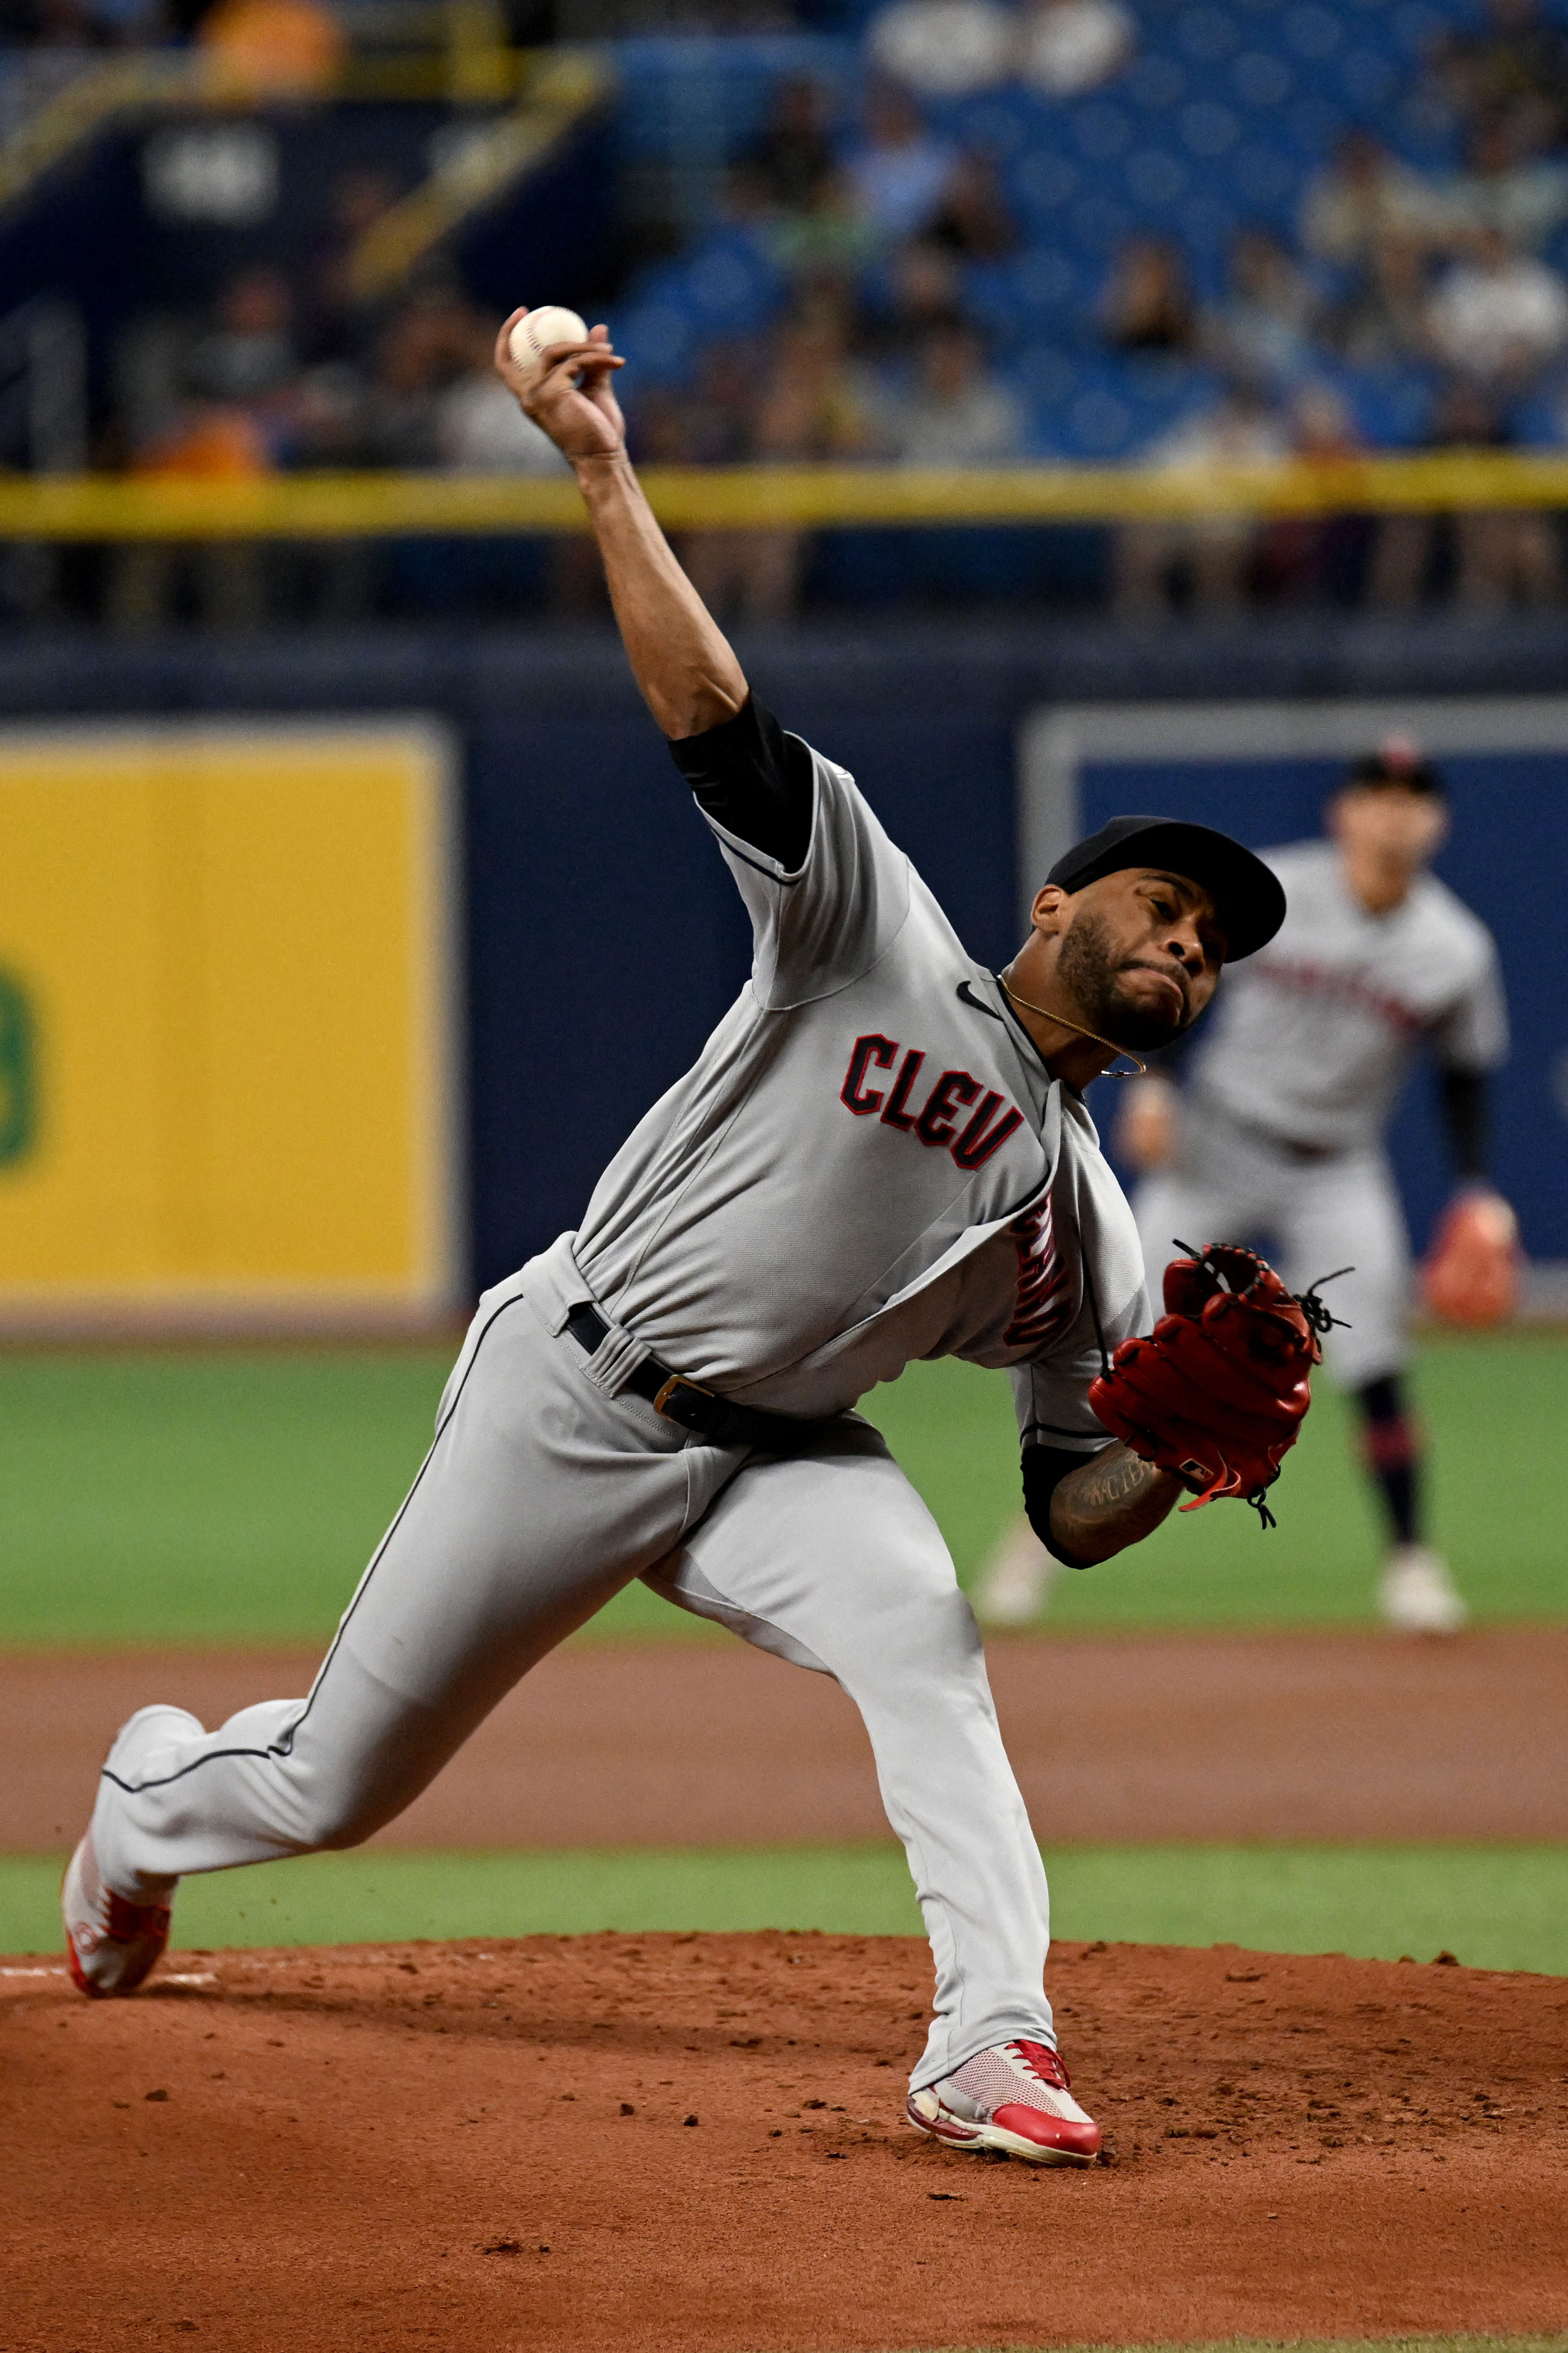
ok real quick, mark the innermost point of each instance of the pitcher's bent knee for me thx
(320, 1806)
(328, 1824)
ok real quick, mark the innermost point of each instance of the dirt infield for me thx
(462, 2145)
(1334, 1737)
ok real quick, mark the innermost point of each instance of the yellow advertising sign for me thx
(226, 1047)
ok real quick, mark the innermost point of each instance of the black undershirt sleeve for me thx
(754, 780)
(1045, 1468)
(1464, 1095)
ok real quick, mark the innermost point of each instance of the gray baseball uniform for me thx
(1281, 1129)
(868, 1163)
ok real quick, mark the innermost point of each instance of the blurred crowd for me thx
(1444, 280)
(873, 349)
(288, 372)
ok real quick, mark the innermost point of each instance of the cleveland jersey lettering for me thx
(936, 1122)
(1043, 1295)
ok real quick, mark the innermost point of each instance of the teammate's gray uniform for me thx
(1281, 1129)
(868, 1164)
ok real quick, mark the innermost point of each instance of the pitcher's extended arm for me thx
(681, 658)
(1113, 1500)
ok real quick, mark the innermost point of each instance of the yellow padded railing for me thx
(387, 505)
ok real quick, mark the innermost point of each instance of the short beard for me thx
(1085, 965)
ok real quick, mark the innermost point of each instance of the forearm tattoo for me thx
(1114, 1501)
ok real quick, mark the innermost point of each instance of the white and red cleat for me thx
(1015, 2099)
(111, 1944)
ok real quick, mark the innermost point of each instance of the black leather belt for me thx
(694, 1407)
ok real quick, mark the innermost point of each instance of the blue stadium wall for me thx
(604, 940)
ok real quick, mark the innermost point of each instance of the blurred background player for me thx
(1278, 1134)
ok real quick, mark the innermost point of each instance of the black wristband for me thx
(1464, 1095)
(1043, 1469)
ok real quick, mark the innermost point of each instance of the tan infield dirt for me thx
(1338, 1736)
(693, 2144)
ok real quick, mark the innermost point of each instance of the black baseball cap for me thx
(1248, 899)
(1398, 760)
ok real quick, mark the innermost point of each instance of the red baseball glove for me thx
(1218, 1392)
(1471, 1272)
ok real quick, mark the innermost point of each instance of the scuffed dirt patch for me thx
(694, 2142)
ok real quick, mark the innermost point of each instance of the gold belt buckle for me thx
(679, 1381)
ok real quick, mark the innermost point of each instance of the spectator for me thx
(477, 427)
(920, 288)
(733, 572)
(421, 351)
(943, 48)
(1147, 304)
(1066, 46)
(899, 172)
(830, 239)
(1384, 321)
(973, 219)
(1322, 430)
(1498, 316)
(208, 442)
(793, 154)
(1364, 197)
(1313, 558)
(272, 49)
(816, 407)
(326, 417)
(1262, 330)
(1213, 550)
(1500, 557)
(957, 413)
(333, 325)
(1518, 65)
(249, 357)
(717, 417)
(1504, 186)
(224, 580)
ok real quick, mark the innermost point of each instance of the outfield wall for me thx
(227, 1023)
(602, 940)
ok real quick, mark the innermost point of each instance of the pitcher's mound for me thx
(677, 2142)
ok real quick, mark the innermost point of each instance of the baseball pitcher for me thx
(882, 1152)
(1278, 1134)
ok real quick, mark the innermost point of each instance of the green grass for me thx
(201, 1495)
(1495, 1907)
(1496, 1409)
(232, 1495)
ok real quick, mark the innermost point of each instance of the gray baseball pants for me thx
(541, 1497)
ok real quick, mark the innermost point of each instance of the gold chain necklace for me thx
(1139, 1071)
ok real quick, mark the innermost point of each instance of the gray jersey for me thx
(868, 1164)
(1313, 1035)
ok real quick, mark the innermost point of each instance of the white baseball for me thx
(531, 337)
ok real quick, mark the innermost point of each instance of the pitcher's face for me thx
(1139, 951)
